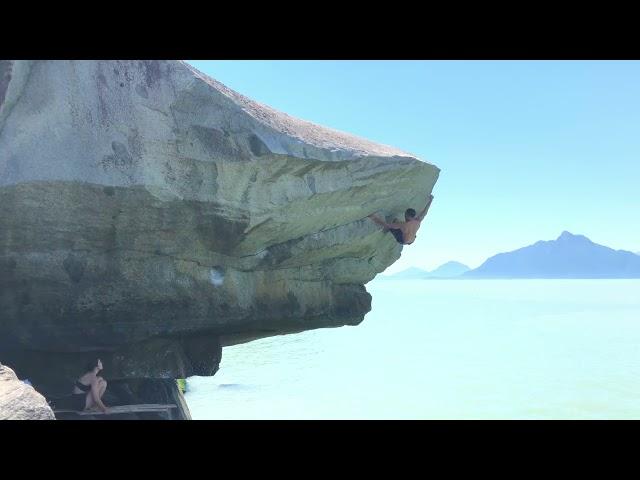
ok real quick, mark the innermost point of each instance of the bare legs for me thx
(91, 402)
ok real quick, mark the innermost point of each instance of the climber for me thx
(89, 389)
(405, 233)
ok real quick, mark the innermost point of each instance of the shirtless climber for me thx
(405, 233)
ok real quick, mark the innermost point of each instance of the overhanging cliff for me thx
(149, 215)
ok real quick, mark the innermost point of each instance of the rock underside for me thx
(150, 216)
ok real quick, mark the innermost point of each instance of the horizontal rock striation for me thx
(149, 215)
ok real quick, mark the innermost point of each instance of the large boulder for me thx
(150, 216)
(19, 401)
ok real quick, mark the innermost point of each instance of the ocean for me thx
(446, 349)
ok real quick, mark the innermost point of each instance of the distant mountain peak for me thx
(452, 263)
(570, 237)
(569, 256)
(446, 270)
(413, 270)
(566, 235)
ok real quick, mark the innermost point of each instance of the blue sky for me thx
(527, 149)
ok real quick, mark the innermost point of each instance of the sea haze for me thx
(483, 349)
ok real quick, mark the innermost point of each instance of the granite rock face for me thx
(19, 401)
(149, 215)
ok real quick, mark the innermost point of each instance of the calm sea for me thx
(446, 349)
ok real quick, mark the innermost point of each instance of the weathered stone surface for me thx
(150, 215)
(19, 401)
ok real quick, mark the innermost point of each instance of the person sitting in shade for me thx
(405, 233)
(89, 389)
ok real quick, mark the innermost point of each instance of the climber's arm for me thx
(422, 214)
(383, 223)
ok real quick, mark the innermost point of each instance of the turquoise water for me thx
(446, 349)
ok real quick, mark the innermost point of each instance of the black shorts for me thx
(397, 233)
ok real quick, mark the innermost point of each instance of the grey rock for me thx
(150, 216)
(19, 401)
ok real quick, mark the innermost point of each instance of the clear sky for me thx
(527, 149)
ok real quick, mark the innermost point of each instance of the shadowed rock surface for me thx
(19, 401)
(151, 216)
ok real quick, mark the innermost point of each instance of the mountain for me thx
(408, 274)
(569, 256)
(446, 270)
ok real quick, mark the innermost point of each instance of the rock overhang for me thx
(145, 204)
